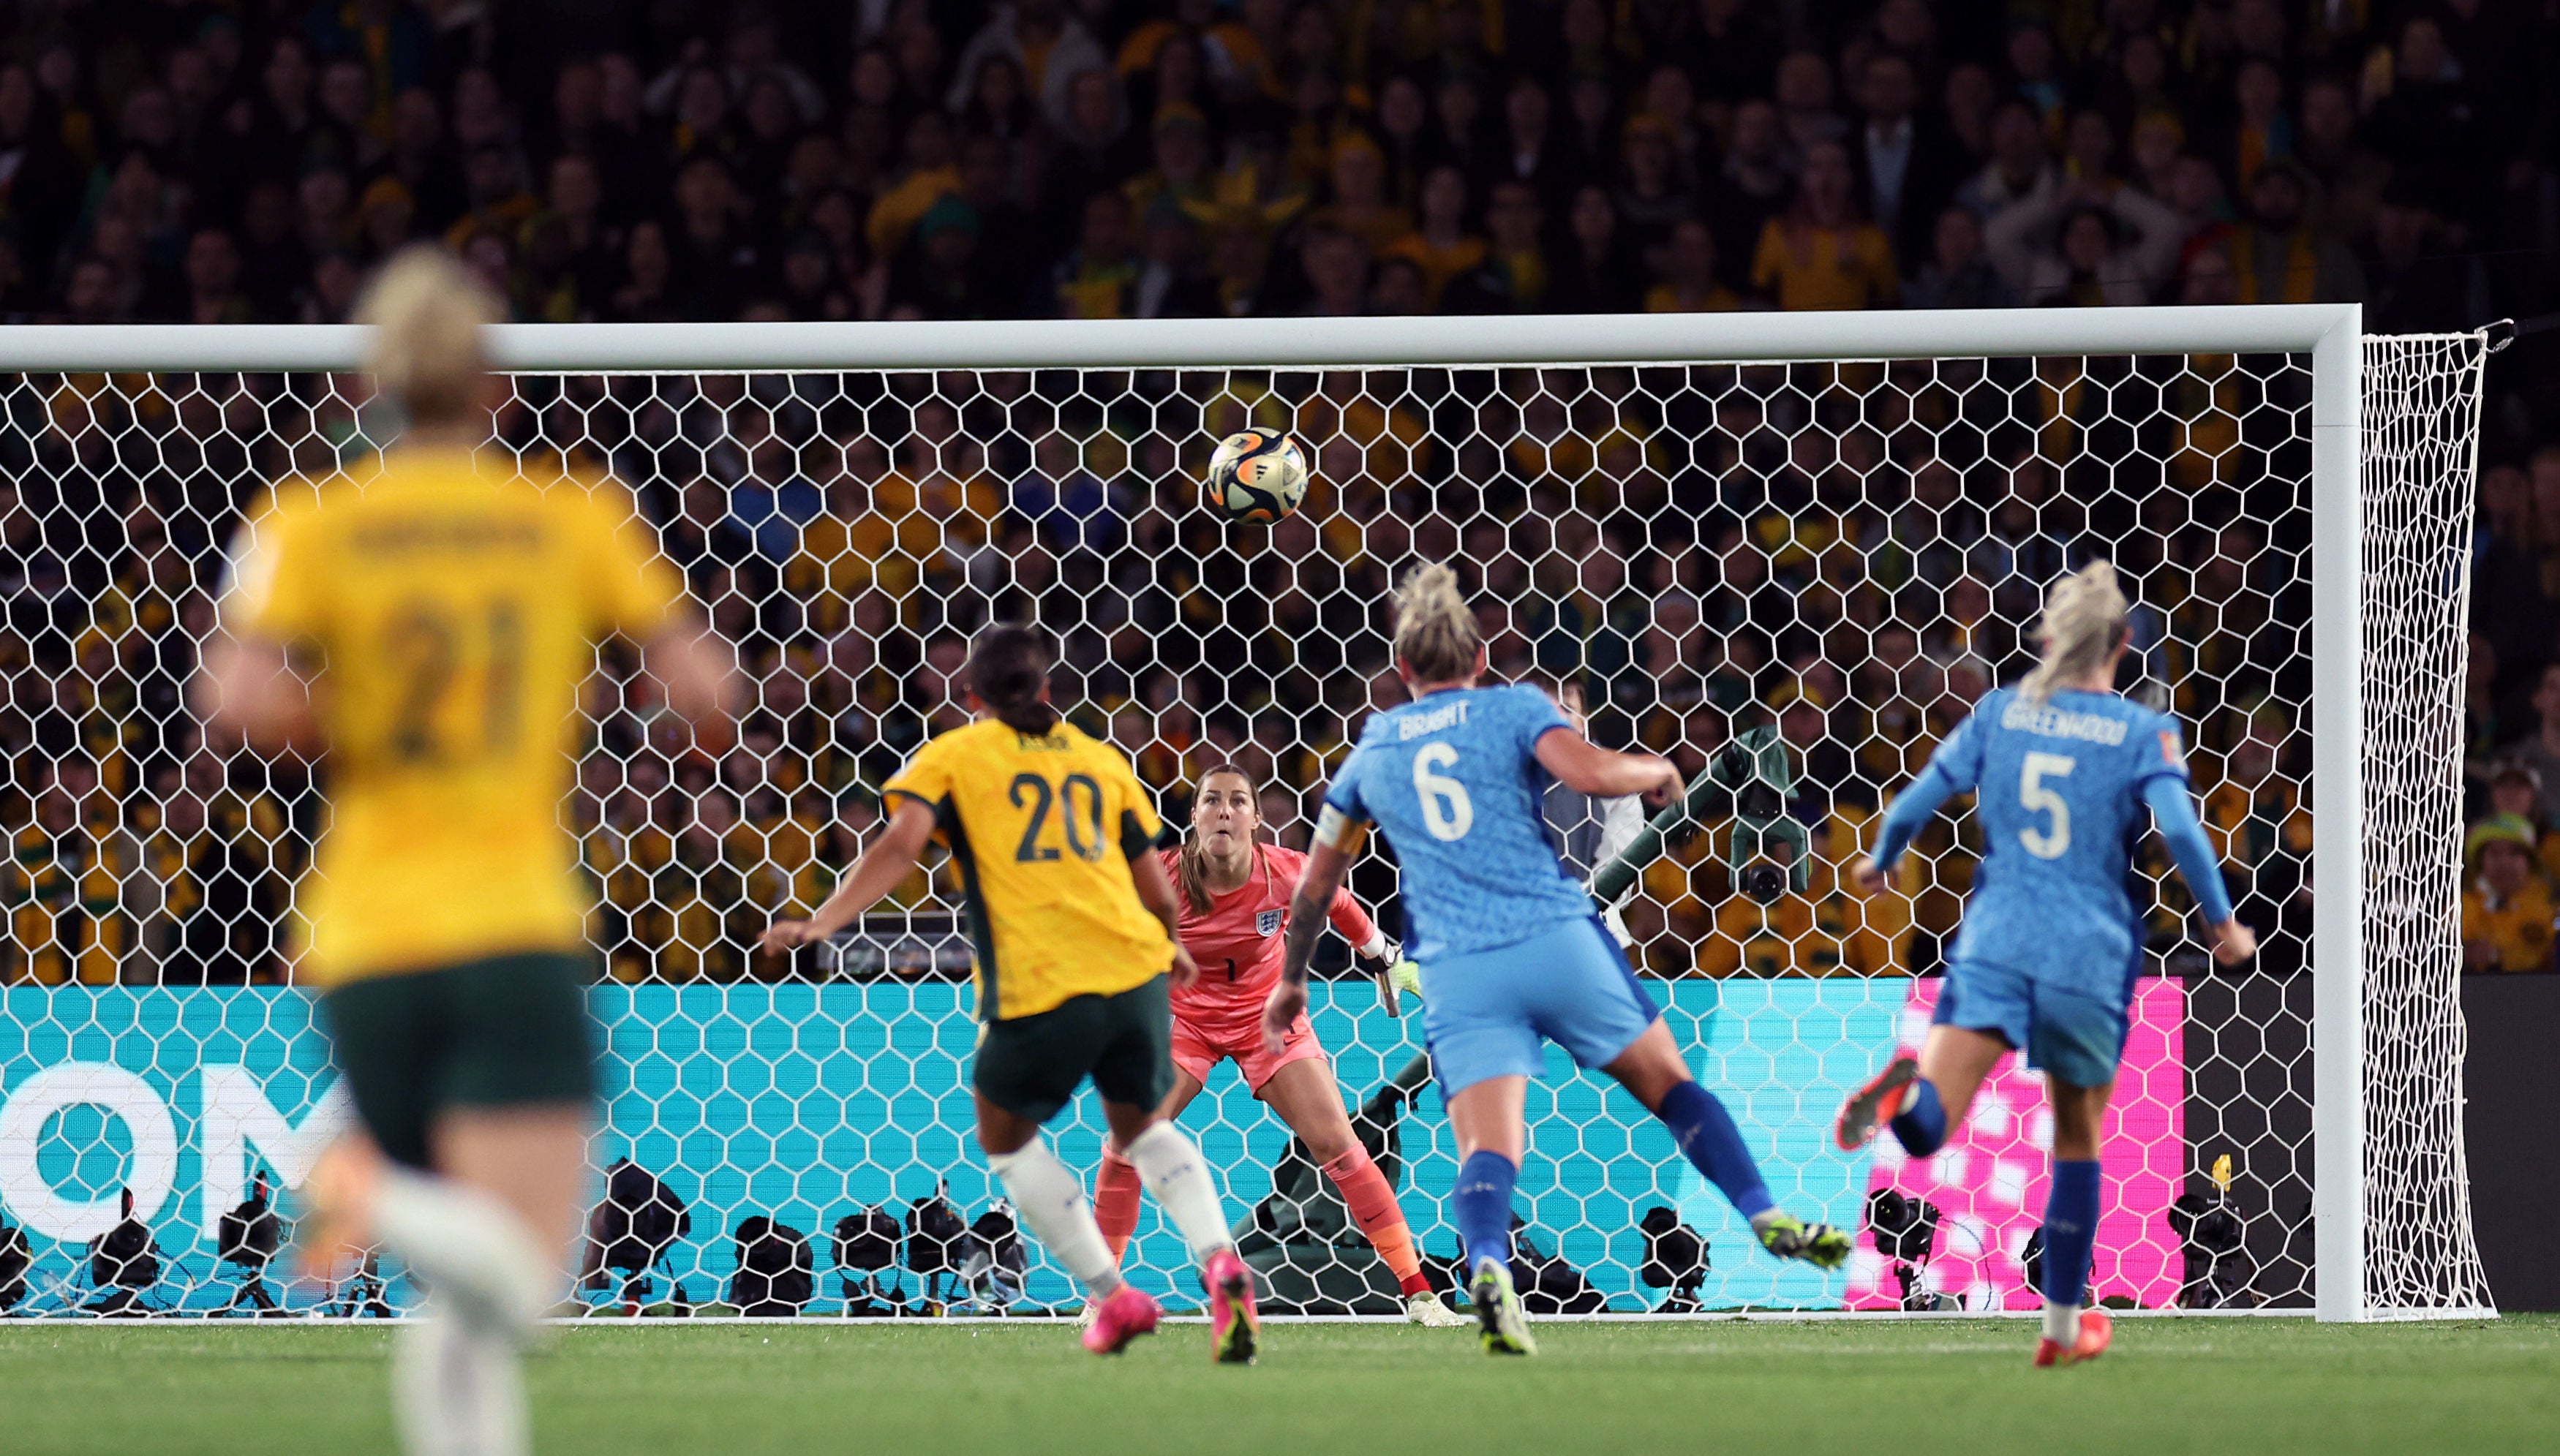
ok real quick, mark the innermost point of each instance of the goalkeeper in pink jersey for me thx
(1234, 895)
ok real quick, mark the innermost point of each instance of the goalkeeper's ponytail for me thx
(2084, 622)
(1435, 630)
(428, 312)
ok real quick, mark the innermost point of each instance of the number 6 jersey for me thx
(1455, 783)
(450, 606)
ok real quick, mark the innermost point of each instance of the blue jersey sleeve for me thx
(1344, 792)
(1957, 767)
(1961, 756)
(1534, 716)
(2163, 757)
(2174, 811)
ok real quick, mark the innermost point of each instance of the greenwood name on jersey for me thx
(2058, 789)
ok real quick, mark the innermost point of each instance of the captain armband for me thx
(1339, 829)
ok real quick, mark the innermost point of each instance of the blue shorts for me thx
(2068, 1034)
(1484, 1013)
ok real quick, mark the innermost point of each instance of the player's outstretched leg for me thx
(457, 1391)
(1115, 1213)
(1880, 1103)
(1919, 1098)
(1050, 1201)
(1482, 1204)
(1175, 1172)
(1653, 1071)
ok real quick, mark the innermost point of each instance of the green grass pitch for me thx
(2170, 1384)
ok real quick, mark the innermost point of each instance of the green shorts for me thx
(1030, 1066)
(507, 1031)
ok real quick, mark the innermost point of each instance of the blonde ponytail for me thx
(2084, 619)
(427, 312)
(1435, 630)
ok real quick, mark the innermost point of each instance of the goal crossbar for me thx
(712, 348)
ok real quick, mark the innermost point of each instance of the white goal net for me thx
(1822, 560)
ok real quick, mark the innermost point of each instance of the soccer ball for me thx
(1257, 476)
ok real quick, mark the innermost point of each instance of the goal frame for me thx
(2331, 335)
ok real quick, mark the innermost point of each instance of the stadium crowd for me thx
(1701, 551)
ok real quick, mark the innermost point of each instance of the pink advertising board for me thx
(1990, 1181)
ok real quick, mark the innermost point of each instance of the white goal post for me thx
(2391, 427)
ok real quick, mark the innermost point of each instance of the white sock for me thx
(457, 1392)
(470, 1248)
(1050, 1200)
(1173, 1172)
(2062, 1324)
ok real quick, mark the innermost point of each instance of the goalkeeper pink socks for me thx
(1373, 1209)
(1115, 1201)
(1354, 1175)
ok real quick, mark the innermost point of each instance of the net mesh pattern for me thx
(2422, 400)
(1837, 559)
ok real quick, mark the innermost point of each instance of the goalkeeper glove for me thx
(1408, 977)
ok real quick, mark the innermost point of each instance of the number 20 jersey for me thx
(2058, 793)
(452, 604)
(1454, 782)
(1043, 828)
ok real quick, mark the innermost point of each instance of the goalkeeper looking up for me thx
(1235, 904)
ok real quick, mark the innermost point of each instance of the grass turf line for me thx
(825, 1386)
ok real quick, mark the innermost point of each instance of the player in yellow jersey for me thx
(427, 630)
(1071, 918)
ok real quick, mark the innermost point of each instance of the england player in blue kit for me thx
(1512, 948)
(2062, 771)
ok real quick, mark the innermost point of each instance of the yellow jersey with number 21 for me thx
(1044, 827)
(450, 605)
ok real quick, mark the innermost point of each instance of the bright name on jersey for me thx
(1430, 722)
(2054, 723)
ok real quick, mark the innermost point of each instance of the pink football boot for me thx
(1234, 1329)
(1125, 1316)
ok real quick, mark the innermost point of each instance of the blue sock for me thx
(2070, 1231)
(1708, 1137)
(1921, 1125)
(1483, 1204)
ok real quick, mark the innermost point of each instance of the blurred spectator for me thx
(1908, 160)
(2507, 908)
(2108, 246)
(2515, 793)
(2540, 749)
(2261, 830)
(1690, 283)
(1958, 275)
(2278, 256)
(1821, 254)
